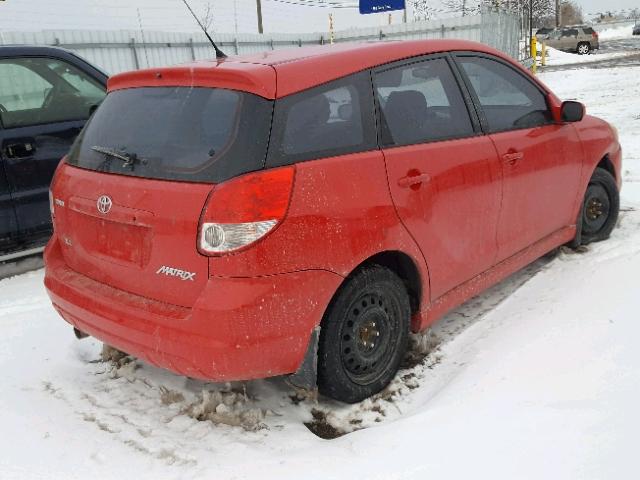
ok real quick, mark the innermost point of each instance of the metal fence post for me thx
(236, 46)
(193, 50)
(136, 61)
(442, 31)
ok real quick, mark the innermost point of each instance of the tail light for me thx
(52, 200)
(595, 35)
(241, 211)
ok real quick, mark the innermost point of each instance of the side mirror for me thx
(571, 111)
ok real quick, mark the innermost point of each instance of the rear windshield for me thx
(176, 133)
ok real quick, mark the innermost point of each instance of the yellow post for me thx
(534, 54)
(543, 59)
(331, 28)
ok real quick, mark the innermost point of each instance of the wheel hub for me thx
(368, 335)
(597, 207)
(594, 209)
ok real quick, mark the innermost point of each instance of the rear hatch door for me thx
(129, 197)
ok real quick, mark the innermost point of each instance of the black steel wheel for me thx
(364, 335)
(600, 207)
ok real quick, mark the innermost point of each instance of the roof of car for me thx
(51, 51)
(278, 73)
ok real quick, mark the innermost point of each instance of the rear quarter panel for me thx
(340, 214)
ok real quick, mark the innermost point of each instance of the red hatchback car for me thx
(300, 212)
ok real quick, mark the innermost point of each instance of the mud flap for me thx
(306, 376)
(577, 241)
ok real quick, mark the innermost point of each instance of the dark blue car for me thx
(46, 96)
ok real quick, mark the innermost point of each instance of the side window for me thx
(508, 99)
(44, 90)
(333, 119)
(421, 102)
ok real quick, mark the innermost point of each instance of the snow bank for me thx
(612, 33)
(558, 57)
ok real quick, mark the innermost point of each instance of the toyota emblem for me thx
(104, 204)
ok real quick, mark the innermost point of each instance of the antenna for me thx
(219, 53)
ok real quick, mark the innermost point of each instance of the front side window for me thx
(420, 103)
(332, 119)
(508, 99)
(44, 90)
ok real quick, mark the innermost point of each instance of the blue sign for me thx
(379, 6)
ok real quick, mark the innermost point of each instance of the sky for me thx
(230, 15)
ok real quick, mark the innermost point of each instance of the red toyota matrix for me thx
(299, 212)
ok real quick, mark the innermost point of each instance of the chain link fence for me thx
(122, 50)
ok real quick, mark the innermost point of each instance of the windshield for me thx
(176, 133)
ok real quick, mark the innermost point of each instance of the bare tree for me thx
(464, 7)
(207, 17)
(421, 9)
(541, 10)
(570, 13)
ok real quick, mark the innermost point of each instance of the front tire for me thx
(600, 207)
(364, 335)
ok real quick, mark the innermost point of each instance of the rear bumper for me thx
(238, 329)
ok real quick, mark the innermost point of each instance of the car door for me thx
(443, 174)
(541, 160)
(44, 103)
(570, 39)
(8, 224)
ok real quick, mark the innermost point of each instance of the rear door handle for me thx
(513, 157)
(411, 180)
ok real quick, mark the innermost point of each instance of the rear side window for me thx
(420, 103)
(333, 119)
(176, 133)
(588, 30)
(509, 100)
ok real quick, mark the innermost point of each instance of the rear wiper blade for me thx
(128, 159)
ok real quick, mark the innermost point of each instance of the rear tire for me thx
(583, 48)
(600, 207)
(364, 335)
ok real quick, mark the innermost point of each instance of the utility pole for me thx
(557, 13)
(235, 15)
(531, 19)
(259, 7)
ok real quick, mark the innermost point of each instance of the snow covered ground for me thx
(537, 378)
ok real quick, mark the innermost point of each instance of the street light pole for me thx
(530, 19)
(259, 7)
